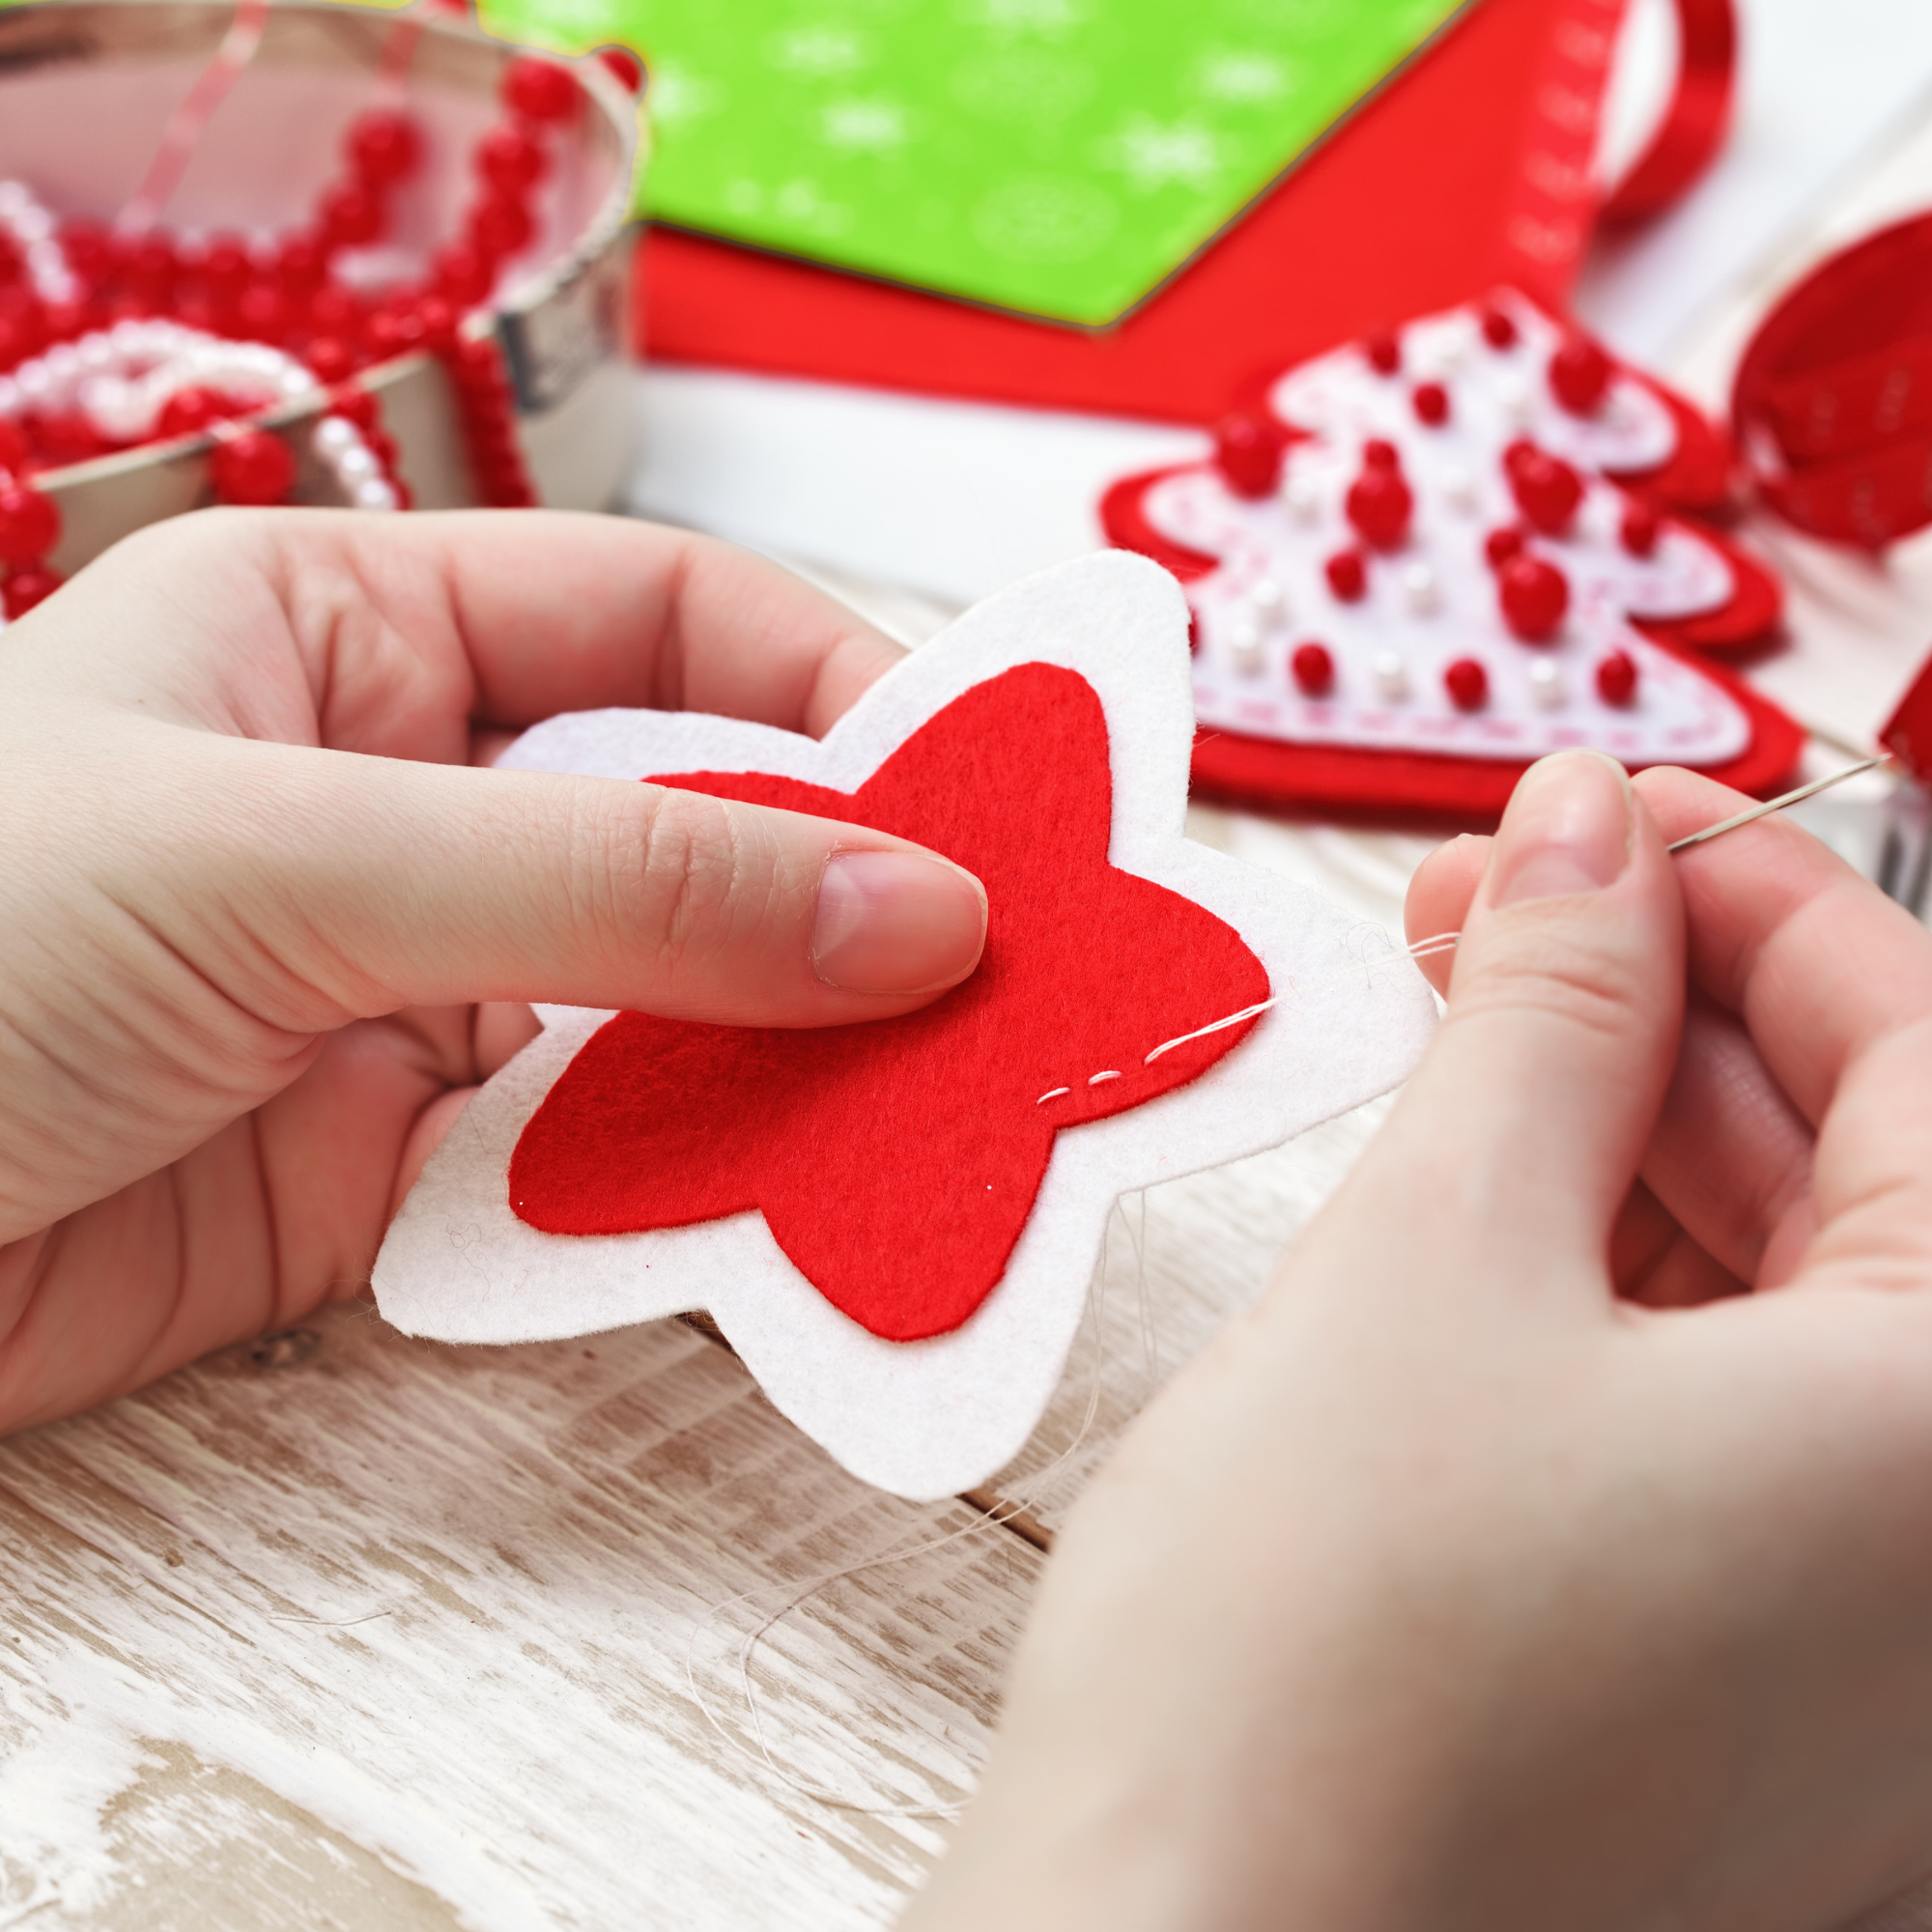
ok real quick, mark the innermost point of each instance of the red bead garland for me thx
(252, 467)
(30, 527)
(475, 366)
(288, 295)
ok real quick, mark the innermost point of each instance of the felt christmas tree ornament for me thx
(895, 1225)
(1413, 575)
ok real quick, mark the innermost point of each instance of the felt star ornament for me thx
(896, 1223)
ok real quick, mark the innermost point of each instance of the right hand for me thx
(1450, 1591)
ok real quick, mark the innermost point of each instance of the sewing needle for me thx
(1772, 805)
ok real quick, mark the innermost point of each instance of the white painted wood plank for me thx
(501, 1557)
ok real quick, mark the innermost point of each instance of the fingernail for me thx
(895, 922)
(1567, 829)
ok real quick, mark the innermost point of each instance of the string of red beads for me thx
(30, 527)
(290, 295)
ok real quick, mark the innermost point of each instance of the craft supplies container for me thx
(86, 94)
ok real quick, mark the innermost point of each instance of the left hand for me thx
(261, 934)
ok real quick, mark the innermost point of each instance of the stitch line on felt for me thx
(1423, 949)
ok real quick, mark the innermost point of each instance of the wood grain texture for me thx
(396, 1635)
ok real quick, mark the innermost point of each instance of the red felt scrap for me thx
(1469, 167)
(1267, 773)
(896, 1163)
(1908, 732)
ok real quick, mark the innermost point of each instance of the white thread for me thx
(1110, 1073)
(1053, 1096)
(189, 122)
(990, 1519)
(1214, 1026)
(1423, 949)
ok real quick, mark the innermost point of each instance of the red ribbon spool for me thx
(1833, 398)
(1695, 121)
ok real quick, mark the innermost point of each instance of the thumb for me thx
(1535, 1101)
(374, 884)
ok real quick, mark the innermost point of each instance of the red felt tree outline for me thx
(1271, 773)
(896, 1163)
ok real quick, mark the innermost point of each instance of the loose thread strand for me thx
(991, 1520)
(189, 121)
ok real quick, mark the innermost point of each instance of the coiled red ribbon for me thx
(1833, 398)
(1694, 124)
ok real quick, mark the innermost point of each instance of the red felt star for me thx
(896, 1163)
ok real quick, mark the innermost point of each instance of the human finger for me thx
(395, 635)
(650, 616)
(1438, 900)
(1525, 1124)
(1731, 1157)
(1816, 961)
(379, 884)
(1656, 1262)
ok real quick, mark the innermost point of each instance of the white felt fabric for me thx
(1499, 394)
(928, 1418)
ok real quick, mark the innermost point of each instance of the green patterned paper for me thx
(1061, 158)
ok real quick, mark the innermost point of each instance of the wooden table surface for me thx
(343, 1630)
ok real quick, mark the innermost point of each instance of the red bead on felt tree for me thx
(1534, 595)
(1248, 452)
(1547, 490)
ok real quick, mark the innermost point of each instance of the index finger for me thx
(1819, 964)
(394, 634)
(559, 612)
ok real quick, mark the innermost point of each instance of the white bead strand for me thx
(35, 232)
